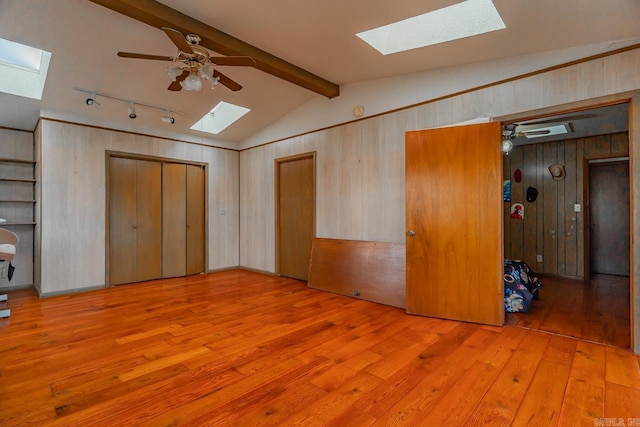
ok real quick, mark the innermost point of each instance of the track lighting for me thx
(92, 100)
(132, 111)
(92, 95)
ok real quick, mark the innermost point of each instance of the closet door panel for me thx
(174, 219)
(149, 224)
(195, 219)
(122, 220)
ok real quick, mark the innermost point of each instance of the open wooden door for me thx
(453, 192)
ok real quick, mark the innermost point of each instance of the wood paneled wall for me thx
(72, 200)
(360, 165)
(360, 182)
(550, 227)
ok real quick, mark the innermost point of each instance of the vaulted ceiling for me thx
(303, 50)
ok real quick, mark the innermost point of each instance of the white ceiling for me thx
(318, 36)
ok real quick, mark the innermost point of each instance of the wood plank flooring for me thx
(596, 310)
(239, 348)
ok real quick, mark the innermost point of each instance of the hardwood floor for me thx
(244, 349)
(596, 310)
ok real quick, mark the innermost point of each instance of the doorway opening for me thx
(554, 236)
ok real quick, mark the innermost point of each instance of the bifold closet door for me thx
(195, 219)
(174, 219)
(135, 225)
(183, 208)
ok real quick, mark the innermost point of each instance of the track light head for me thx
(132, 111)
(168, 119)
(89, 101)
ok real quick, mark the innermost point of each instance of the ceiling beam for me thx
(158, 15)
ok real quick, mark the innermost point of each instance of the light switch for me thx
(539, 258)
(577, 207)
(223, 211)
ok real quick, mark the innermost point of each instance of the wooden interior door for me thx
(609, 218)
(295, 180)
(195, 234)
(455, 225)
(123, 238)
(149, 219)
(174, 219)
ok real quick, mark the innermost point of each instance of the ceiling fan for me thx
(542, 127)
(195, 63)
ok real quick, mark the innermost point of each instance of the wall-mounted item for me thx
(532, 194)
(506, 190)
(517, 211)
(557, 171)
(517, 175)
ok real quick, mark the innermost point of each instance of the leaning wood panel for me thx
(373, 271)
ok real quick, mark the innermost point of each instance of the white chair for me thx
(8, 242)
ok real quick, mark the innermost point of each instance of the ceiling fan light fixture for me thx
(192, 82)
(206, 71)
(174, 72)
(507, 145)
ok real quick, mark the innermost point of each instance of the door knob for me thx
(411, 233)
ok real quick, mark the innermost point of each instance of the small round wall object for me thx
(358, 111)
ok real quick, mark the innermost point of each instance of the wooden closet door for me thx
(174, 219)
(123, 240)
(149, 219)
(295, 211)
(195, 242)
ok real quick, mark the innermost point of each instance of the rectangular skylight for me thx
(469, 18)
(539, 132)
(220, 117)
(23, 69)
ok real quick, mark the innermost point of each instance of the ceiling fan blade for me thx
(143, 56)
(178, 39)
(175, 85)
(238, 61)
(226, 81)
(534, 132)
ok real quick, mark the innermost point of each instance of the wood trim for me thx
(147, 135)
(160, 159)
(158, 15)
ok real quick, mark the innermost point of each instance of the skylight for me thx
(23, 69)
(220, 117)
(469, 18)
(539, 132)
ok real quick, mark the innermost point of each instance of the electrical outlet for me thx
(223, 211)
(577, 207)
(539, 258)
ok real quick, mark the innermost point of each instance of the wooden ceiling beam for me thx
(158, 15)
